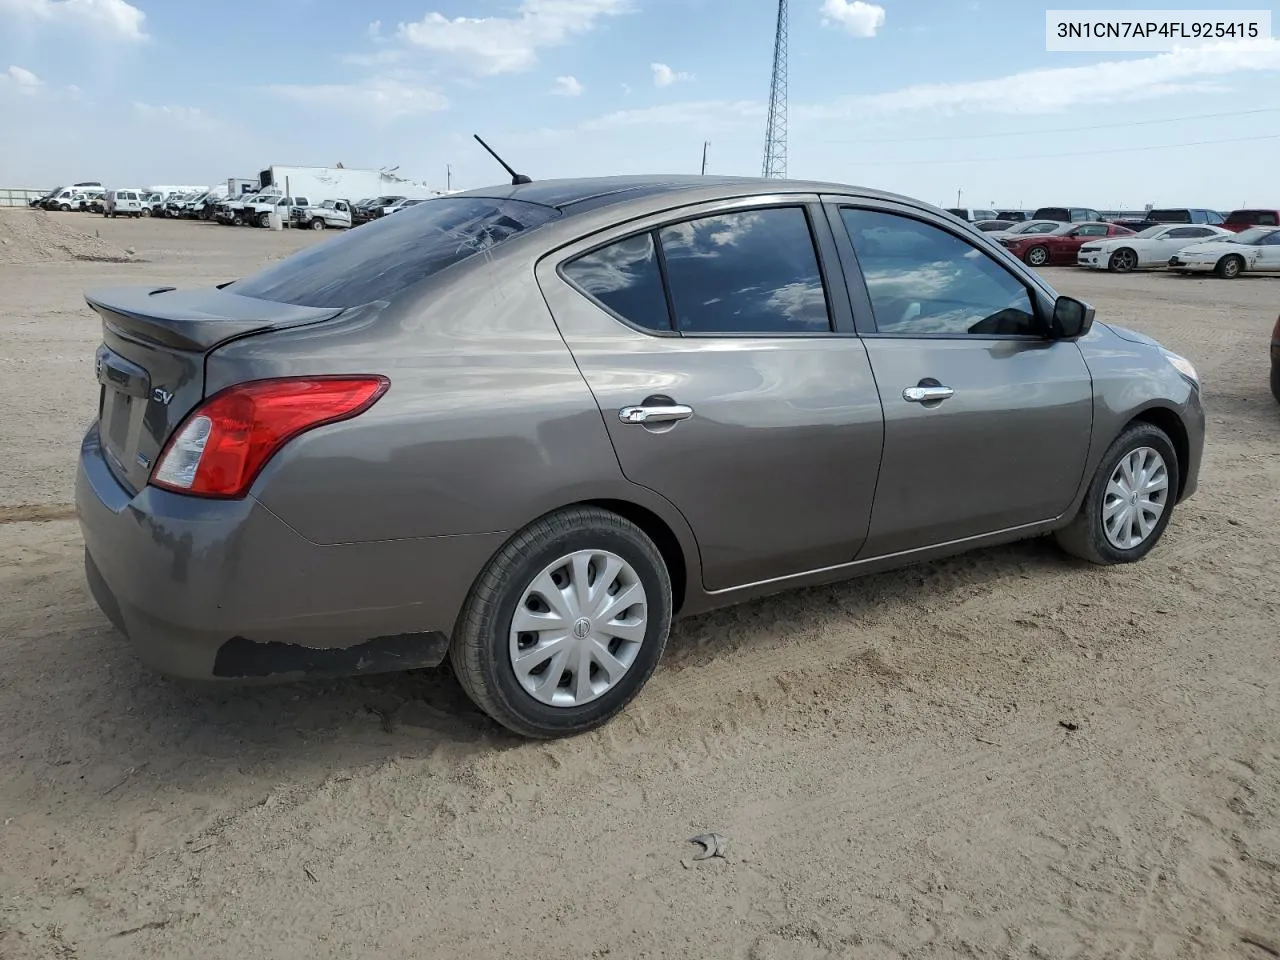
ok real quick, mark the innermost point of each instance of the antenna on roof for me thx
(516, 178)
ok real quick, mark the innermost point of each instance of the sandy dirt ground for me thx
(887, 757)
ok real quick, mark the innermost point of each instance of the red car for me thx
(1060, 246)
(1238, 220)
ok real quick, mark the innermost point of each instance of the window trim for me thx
(839, 311)
(1040, 295)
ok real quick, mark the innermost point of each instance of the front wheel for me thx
(565, 624)
(264, 220)
(1123, 261)
(317, 224)
(1129, 501)
(1038, 256)
(1230, 267)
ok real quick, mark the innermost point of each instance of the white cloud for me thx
(702, 114)
(374, 31)
(192, 118)
(25, 80)
(122, 20)
(858, 17)
(664, 76)
(385, 97)
(1184, 71)
(492, 45)
(568, 87)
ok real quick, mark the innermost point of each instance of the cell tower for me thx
(775, 138)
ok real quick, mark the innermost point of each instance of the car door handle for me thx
(927, 394)
(665, 413)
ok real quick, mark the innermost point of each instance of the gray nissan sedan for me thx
(523, 427)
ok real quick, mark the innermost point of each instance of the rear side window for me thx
(626, 278)
(1264, 218)
(386, 256)
(749, 272)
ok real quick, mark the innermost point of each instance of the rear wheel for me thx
(1230, 267)
(1038, 256)
(1129, 501)
(1122, 261)
(565, 624)
(1275, 381)
(264, 220)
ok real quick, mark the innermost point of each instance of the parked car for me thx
(1275, 360)
(1058, 247)
(1143, 250)
(123, 203)
(993, 226)
(258, 213)
(1172, 215)
(1238, 220)
(230, 212)
(523, 427)
(374, 208)
(153, 205)
(1256, 250)
(402, 205)
(1068, 214)
(1025, 228)
(965, 213)
(333, 214)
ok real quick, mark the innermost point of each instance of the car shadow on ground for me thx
(102, 702)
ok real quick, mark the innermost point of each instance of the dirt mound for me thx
(33, 236)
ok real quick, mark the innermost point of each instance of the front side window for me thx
(626, 278)
(751, 272)
(925, 281)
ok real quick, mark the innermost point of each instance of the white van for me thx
(123, 202)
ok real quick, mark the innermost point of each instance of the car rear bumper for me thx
(224, 589)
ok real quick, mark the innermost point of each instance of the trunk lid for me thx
(151, 364)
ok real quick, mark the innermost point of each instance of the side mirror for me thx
(1071, 318)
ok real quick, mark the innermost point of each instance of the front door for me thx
(987, 422)
(728, 381)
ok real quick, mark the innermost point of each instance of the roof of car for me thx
(578, 195)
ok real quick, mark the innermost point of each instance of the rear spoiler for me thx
(195, 320)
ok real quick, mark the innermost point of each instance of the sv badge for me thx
(161, 396)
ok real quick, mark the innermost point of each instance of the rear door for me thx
(719, 345)
(987, 422)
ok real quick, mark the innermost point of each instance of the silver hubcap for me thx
(1038, 256)
(578, 628)
(1137, 494)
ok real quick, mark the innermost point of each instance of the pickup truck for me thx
(257, 213)
(332, 214)
(232, 212)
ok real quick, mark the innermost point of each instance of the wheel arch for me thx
(1168, 420)
(663, 537)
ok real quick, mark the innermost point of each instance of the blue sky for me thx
(922, 97)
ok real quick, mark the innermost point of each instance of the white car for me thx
(1151, 248)
(1255, 250)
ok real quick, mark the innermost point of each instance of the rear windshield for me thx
(1170, 216)
(1052, 213)
(382, 258)
(1264, 217)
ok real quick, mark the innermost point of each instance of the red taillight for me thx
(223, 444)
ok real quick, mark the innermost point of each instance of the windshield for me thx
(386, 256)
(1036, 226)
(1252, 236)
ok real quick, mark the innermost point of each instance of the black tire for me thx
(1119, 264)
(1275, 381)
(317, 224)
(1037, 256)
(1085, 536)
(264, 219)
(479, 650)
(1230, 267)
(146, 212)
(65, 208)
